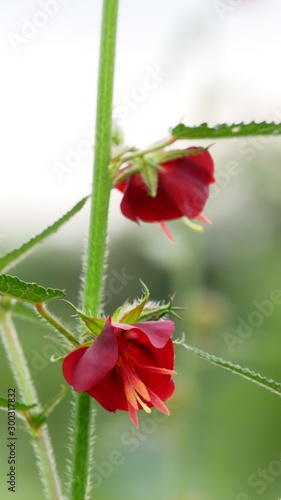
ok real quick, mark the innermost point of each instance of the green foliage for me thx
(223, 130)
(179, 153)
(40, 418)
(94, 323)
(4, 403)
(269, 384)
(11, 258)
(149, 173)
(28, 292)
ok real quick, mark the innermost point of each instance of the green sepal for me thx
(130, 314)
(93, 323)
(154, 311)
(27, 292)
(179, 153)
(149, 169)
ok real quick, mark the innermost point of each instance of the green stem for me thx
(101, 174)
(97, 235)
(41, 440)
(55, 323)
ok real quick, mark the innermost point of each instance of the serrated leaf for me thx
(4, 403)
(28, 292)
(223, 130)
(269, 384)
(13, 257)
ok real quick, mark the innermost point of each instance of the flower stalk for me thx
(42, 310)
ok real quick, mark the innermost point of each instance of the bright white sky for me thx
(207, 60)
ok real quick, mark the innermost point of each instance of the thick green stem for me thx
(41, 440)
(101, 176)
(94, 270)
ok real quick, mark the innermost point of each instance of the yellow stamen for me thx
(143, 405)
(195, 227)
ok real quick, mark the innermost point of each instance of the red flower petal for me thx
(183, 189)
(70, 362)
(128, 367)
(158, 332)
(109, 392)
(160, 358)
(97, 361)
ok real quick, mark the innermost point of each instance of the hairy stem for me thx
(41, 308)
(97, 239)
(40, 437)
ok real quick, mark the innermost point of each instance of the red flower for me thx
(182, 191)
(127, 367)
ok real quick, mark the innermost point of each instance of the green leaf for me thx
(269, 384)
(4, 403)
(223, 130)
(28, 292)
(11, 258)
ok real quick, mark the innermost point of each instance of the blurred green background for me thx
(223, 432)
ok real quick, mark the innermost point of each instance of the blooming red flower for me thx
(182, 191)
(127, 367)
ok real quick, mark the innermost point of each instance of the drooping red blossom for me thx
(127, 367)
(182, 191)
